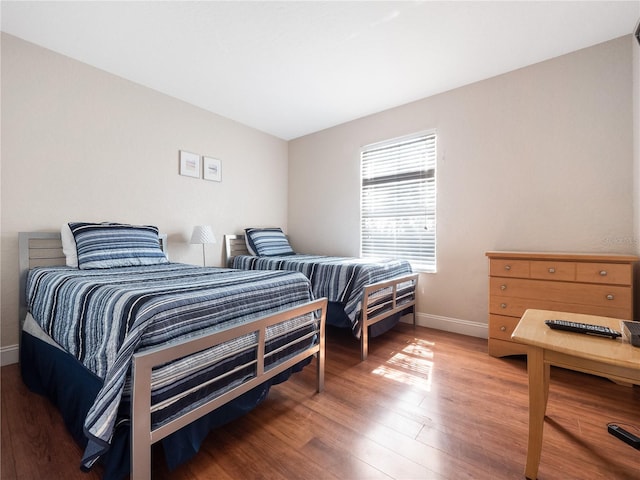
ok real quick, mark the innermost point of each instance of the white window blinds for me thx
(398, 200)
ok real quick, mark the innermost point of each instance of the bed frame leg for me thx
(321, 349)
(141, 462)
(364, 342)
(320, 371)
(141, 420)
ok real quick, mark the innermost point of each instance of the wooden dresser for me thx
(578, 283)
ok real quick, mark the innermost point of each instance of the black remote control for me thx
(587, 328)
(626, 437)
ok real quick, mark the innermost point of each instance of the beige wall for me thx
(541, 159)
(81, 144)
(537, 159)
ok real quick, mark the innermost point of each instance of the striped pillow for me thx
(267, 242)
(108, 245)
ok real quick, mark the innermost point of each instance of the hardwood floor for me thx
(426, 404)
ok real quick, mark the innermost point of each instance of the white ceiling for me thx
(293, 68)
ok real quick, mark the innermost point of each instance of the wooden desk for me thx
(614, 359)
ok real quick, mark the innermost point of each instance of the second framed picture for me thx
(212, 169)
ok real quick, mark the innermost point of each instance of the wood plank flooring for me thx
(426, 404)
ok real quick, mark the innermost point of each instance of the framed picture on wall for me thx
(189, 164)
(212, 169)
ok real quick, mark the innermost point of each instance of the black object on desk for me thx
(587, 328)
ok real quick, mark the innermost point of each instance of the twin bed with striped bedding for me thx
(366, 295)
(151, 350)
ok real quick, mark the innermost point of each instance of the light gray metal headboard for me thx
(234, 245)
(44, 249)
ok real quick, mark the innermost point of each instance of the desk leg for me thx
(538, 394)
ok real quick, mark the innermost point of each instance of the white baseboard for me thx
(454, 325)
(9, 355)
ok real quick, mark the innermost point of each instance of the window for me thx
(398, 200)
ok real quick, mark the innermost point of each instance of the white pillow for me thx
(69, 246)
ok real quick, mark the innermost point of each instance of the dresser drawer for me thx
(502, 327)
(611, 273)
(500, 267)
(564, 292)
(510, 306)
(553, 270)
(515, 307)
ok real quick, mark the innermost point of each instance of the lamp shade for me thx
(202, 234)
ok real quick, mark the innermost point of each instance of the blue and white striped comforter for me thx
(340, 279)
(103, 316)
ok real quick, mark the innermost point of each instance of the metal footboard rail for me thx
(142, 433)
(396, 295)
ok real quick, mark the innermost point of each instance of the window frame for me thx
(429, 197)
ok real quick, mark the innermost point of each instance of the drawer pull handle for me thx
(609, 297)
(503, 305)
(507, 267)
(552, 270)
(503, 328)
(503, 287)
(603, 273)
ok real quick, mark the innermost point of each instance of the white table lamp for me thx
(203, 234)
